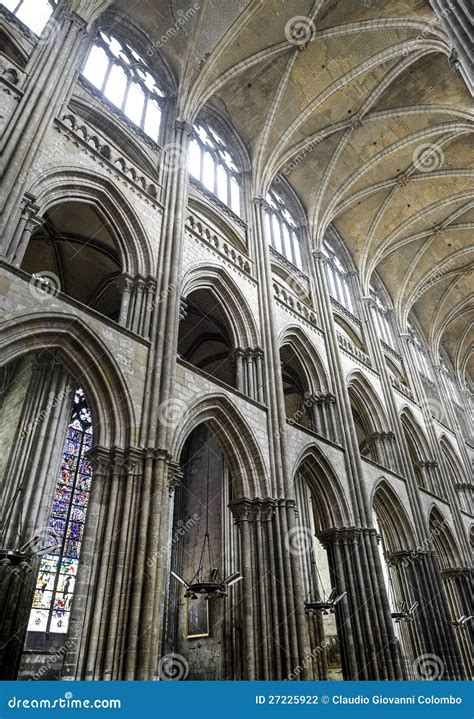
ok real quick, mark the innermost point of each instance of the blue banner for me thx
(213, 700)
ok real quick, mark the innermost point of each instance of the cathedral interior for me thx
(236, 345)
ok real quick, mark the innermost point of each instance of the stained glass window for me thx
(124, 78)
(212, 163)
(58, 570)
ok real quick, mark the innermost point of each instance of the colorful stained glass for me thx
(57, 573)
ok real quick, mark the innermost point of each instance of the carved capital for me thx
(252, 510)
(183, 127)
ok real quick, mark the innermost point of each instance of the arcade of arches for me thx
(236, 340)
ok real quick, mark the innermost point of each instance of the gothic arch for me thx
(236, 438)
(88, 359)
(443, 540)
(415, 434)
(209, 115)
(451, 458)
(218, 282)
(66, 184)
(364, 397)
(309, 359)
(397, 528)
(332, 506)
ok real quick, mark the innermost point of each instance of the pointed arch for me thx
(66, 184)
(91, 363)
(364, 398)
(415, 435)
(222, 286)
(308, 357)
(452, 460)
(443, 540)
(329, 495)
(398, 532)
(236, 438)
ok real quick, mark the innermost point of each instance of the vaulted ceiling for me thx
(357, 105)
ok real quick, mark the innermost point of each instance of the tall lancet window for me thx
(384, 328)
(421, 355)
(212, 162)
(338, 277)
(32, 13)
(58, 570)
(282, 229)
(124, 78)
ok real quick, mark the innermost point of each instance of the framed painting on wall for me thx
(196, 617)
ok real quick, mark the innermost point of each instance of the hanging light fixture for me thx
(327, 606)
(207, 581)
(405, 615)
(20, 555)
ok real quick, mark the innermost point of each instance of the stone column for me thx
(260, 396)
(27, 492)
(418, 572)
(369, 647)
(51, 72)
(109, 602)
(459, 588)
(271, 607)
(127, 290)
(27, 224)
(146, 613)
(369, 616)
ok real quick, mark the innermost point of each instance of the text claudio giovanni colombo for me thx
(359, 699)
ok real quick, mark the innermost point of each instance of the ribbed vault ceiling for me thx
(347, 118)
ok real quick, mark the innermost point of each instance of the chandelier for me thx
(206, 581)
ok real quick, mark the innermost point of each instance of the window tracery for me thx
(58, 570)
(211, 161)
(124, 78)
(282, 230)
